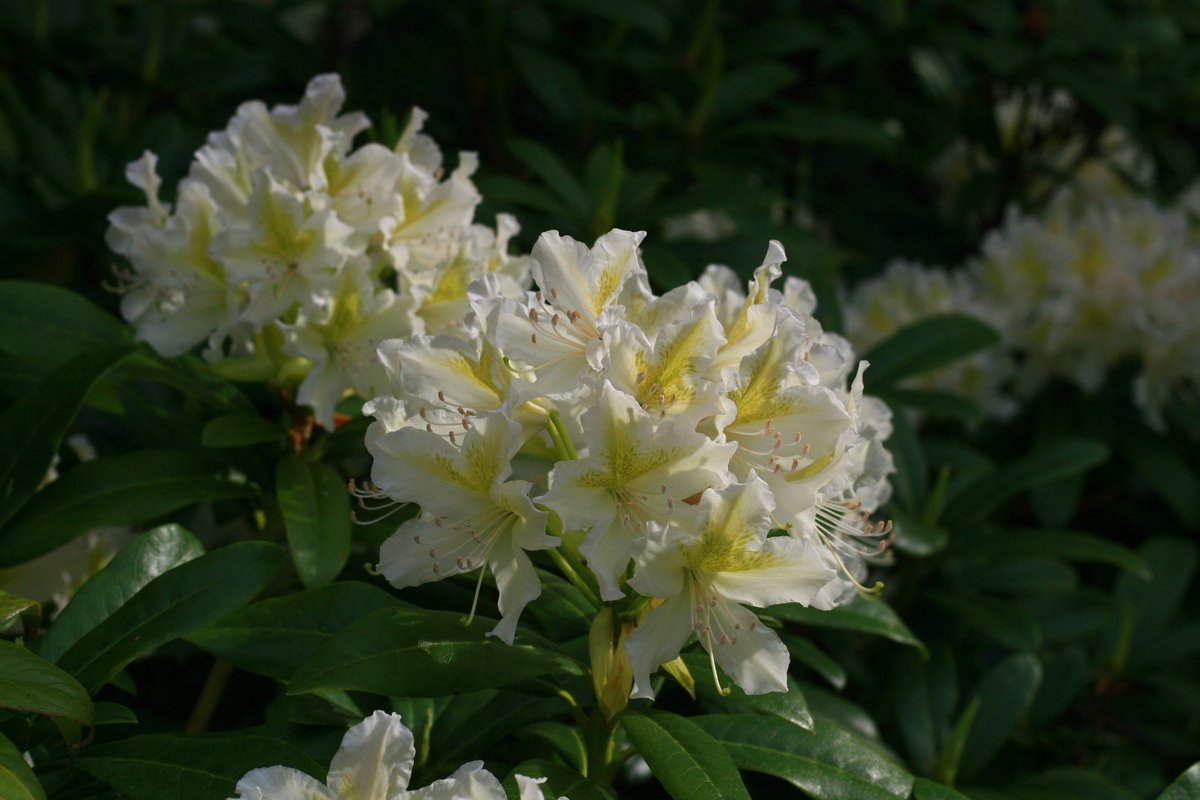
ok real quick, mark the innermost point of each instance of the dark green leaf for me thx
(172, 605)
(48, 325)
(820, 125)
(942, 404)
(926, 345)
(1054, 784)
(12, 607)
(135, 565)
(238, 430)
(33, 427)
(188, 767)
(1160, 466)
(411, 652)
(31, 684)
(1071, 545)
(117, 490)
(316, 512)
(1003, 621)
(685, 759)
(114, 714)
(17, 781)
(789, 705)
(924, 692)
(1005, 693)
(915, 537)
(911, 480)
(1053, 461)
(274, 636)
(861, 614)
(547, 166)
(816, 659)
(470, 723)
(832, 764)
(925, 789)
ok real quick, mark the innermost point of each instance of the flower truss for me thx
(291, 255)
(691, 454)
(375, 762)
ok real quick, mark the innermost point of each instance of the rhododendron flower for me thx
(375, 762)
(706, 573)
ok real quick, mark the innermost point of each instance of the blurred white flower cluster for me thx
(291, 255)
(908, 292)
(1093, 280)
(375, 762)
(702, 451)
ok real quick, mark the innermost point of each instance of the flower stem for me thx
(572, 574)
(562, 439)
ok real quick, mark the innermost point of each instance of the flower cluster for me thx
(290, 256)
(1088, 283)
(909, 292)
(375, 762)
(702, 451)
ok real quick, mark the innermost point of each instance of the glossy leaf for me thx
(789, 705)
(33, 427)
(135, 565)
(316, 513)
(31, 684)
(411, 652)
(172, 605)
(862, 615)
(239, 430)
(686, 759)
(49, 325)
(1072, 545)
(12, 607)
(926, 345)
(188, 767)
(1005, 693)
(832, 764)
(274, 636)
(925, 789)
(17, 781)
(117, 490)
(1056, 460)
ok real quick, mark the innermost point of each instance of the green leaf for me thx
(816, 659)
(1000, 620)
(33, 427)
(1060, 782)
(950, 756)
(861, 614)
(1168, 475)
(820, 125)
(412, 652)
(1071, 545)
(1185, 787)
(547, 166)
(188, 767)
(686, 759)
(31, 684)
(1146, 607)
(17, 781)
(239, 430)
(173, 604)
(1005, 693)
(274, 636)
(924, 692)
(316, 513)
(789, 705)
(832, 764)
(1051, 462)
(915, 537)
(924, 346)
(470, 723)
(942, 404)
(114, 714)
(12, 607)
(135, 565)
(118, 490)
(561, 781)
(925, 789)
(911, 480)
(48, 325)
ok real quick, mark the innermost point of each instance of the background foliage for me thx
(1045, 567)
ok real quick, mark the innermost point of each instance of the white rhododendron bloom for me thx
(908, 292)
(666, 435)
(292, 255)
(375, 762)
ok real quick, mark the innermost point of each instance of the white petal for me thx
(792, 573)
(469, 782)
(281, 783)
(375, 760)
(518, 584)
(755, 657)
(657, 640)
